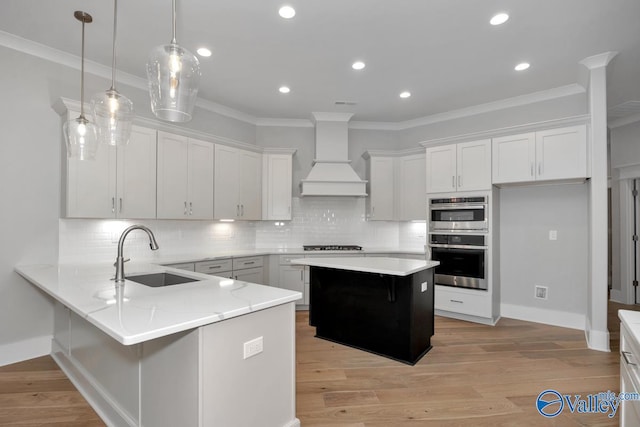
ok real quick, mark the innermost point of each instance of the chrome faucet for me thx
(120, 260)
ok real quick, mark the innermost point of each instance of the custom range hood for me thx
(332, 174)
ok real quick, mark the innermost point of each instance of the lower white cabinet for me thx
(292, 277)
(247, 269)
(629, 377)
(462, 301)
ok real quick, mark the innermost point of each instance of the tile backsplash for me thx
(316, 220)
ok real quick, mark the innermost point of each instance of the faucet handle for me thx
(115, 264)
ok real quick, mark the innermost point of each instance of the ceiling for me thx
(443, 51)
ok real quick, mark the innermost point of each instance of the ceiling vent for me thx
(332, 174)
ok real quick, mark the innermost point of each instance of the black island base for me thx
(388, 315)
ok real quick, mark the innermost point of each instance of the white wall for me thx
(528, 258)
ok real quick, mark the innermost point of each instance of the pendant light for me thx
(173, 73)
(80, 134)
(112, 111)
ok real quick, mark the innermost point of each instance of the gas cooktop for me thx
(332, 248)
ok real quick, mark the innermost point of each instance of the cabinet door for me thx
(136, 169)
(250, 190)
(514, 158)
(251, 275)
(225, 196)
(474, 165)
(172, 176)
(441, 169)
(277, 186)
(292, 278)
(412, 188)
(90, 190)
(561, 153)
(200, 180)
(381, 188)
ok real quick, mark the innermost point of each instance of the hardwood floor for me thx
(474, 376)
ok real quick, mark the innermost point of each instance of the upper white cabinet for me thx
(538, 156)
(120, 183)
(238, 187)
(185, 178)
(380, 187)
(412, 193)
(459, 167)
(277, 190)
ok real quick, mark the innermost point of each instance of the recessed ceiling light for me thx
(287, 12)
(499, 18)
(405, 94)
(284, 89)
(204, 52)
(358, 65)
(522, 66)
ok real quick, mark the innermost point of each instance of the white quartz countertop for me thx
(381, 265)
(631, 319)
(136, 313)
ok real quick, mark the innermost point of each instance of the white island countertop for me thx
(143, 313)
(380, 265)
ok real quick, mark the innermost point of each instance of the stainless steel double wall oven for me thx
(458, 236)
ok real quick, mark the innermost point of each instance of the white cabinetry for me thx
(459, 167)
(412, 199)
(277, 170)
(185, 178)
(552, 154)
(380, 187)
(396, 185)
(292, 278)
(120, 183)
(238, 188)
(249, 269)
(629, 371)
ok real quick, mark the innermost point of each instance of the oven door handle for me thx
(438, 245)
(449, 207)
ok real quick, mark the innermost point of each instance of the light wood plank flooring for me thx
(474, 376)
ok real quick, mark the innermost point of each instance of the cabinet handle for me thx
(459, 180)
(532, 169)
(237, 210)
(301, 274)
(241, 210)
(540, 169)
(190, 208)
(213, 267)
(249, 263)
(113, 205)
(373, 211)
(120, 204)
(626, 356)
(456, 301)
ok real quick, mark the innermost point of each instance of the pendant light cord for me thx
(82, 77)
(113, 60)
(173, 24)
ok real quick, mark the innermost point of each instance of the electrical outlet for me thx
(541, 292)
(553, 234)
(424, 286)
(253, 347)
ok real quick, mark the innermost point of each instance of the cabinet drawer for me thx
(183, 266)
(286, 259)
(215, 266)
(476, 304)
(247, 262)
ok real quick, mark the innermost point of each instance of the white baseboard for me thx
(541, 315)
(619, 297)
(25, 350)
(596, 340)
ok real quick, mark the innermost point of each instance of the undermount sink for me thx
(160, 279)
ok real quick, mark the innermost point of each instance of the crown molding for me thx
(623, 121)
(510, 130)
(598, 61)
(73, 61)
(392, 153)
(276, 150)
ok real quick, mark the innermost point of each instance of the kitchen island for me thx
(381, 305)
(210, 352)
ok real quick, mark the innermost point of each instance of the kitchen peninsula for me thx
(191, 354)
(381, 305)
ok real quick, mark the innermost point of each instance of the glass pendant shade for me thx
(113, 112)
(174, 76)
(81, 137)
(113, 115)
(80, 134)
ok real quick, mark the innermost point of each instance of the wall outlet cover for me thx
(541, 292)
